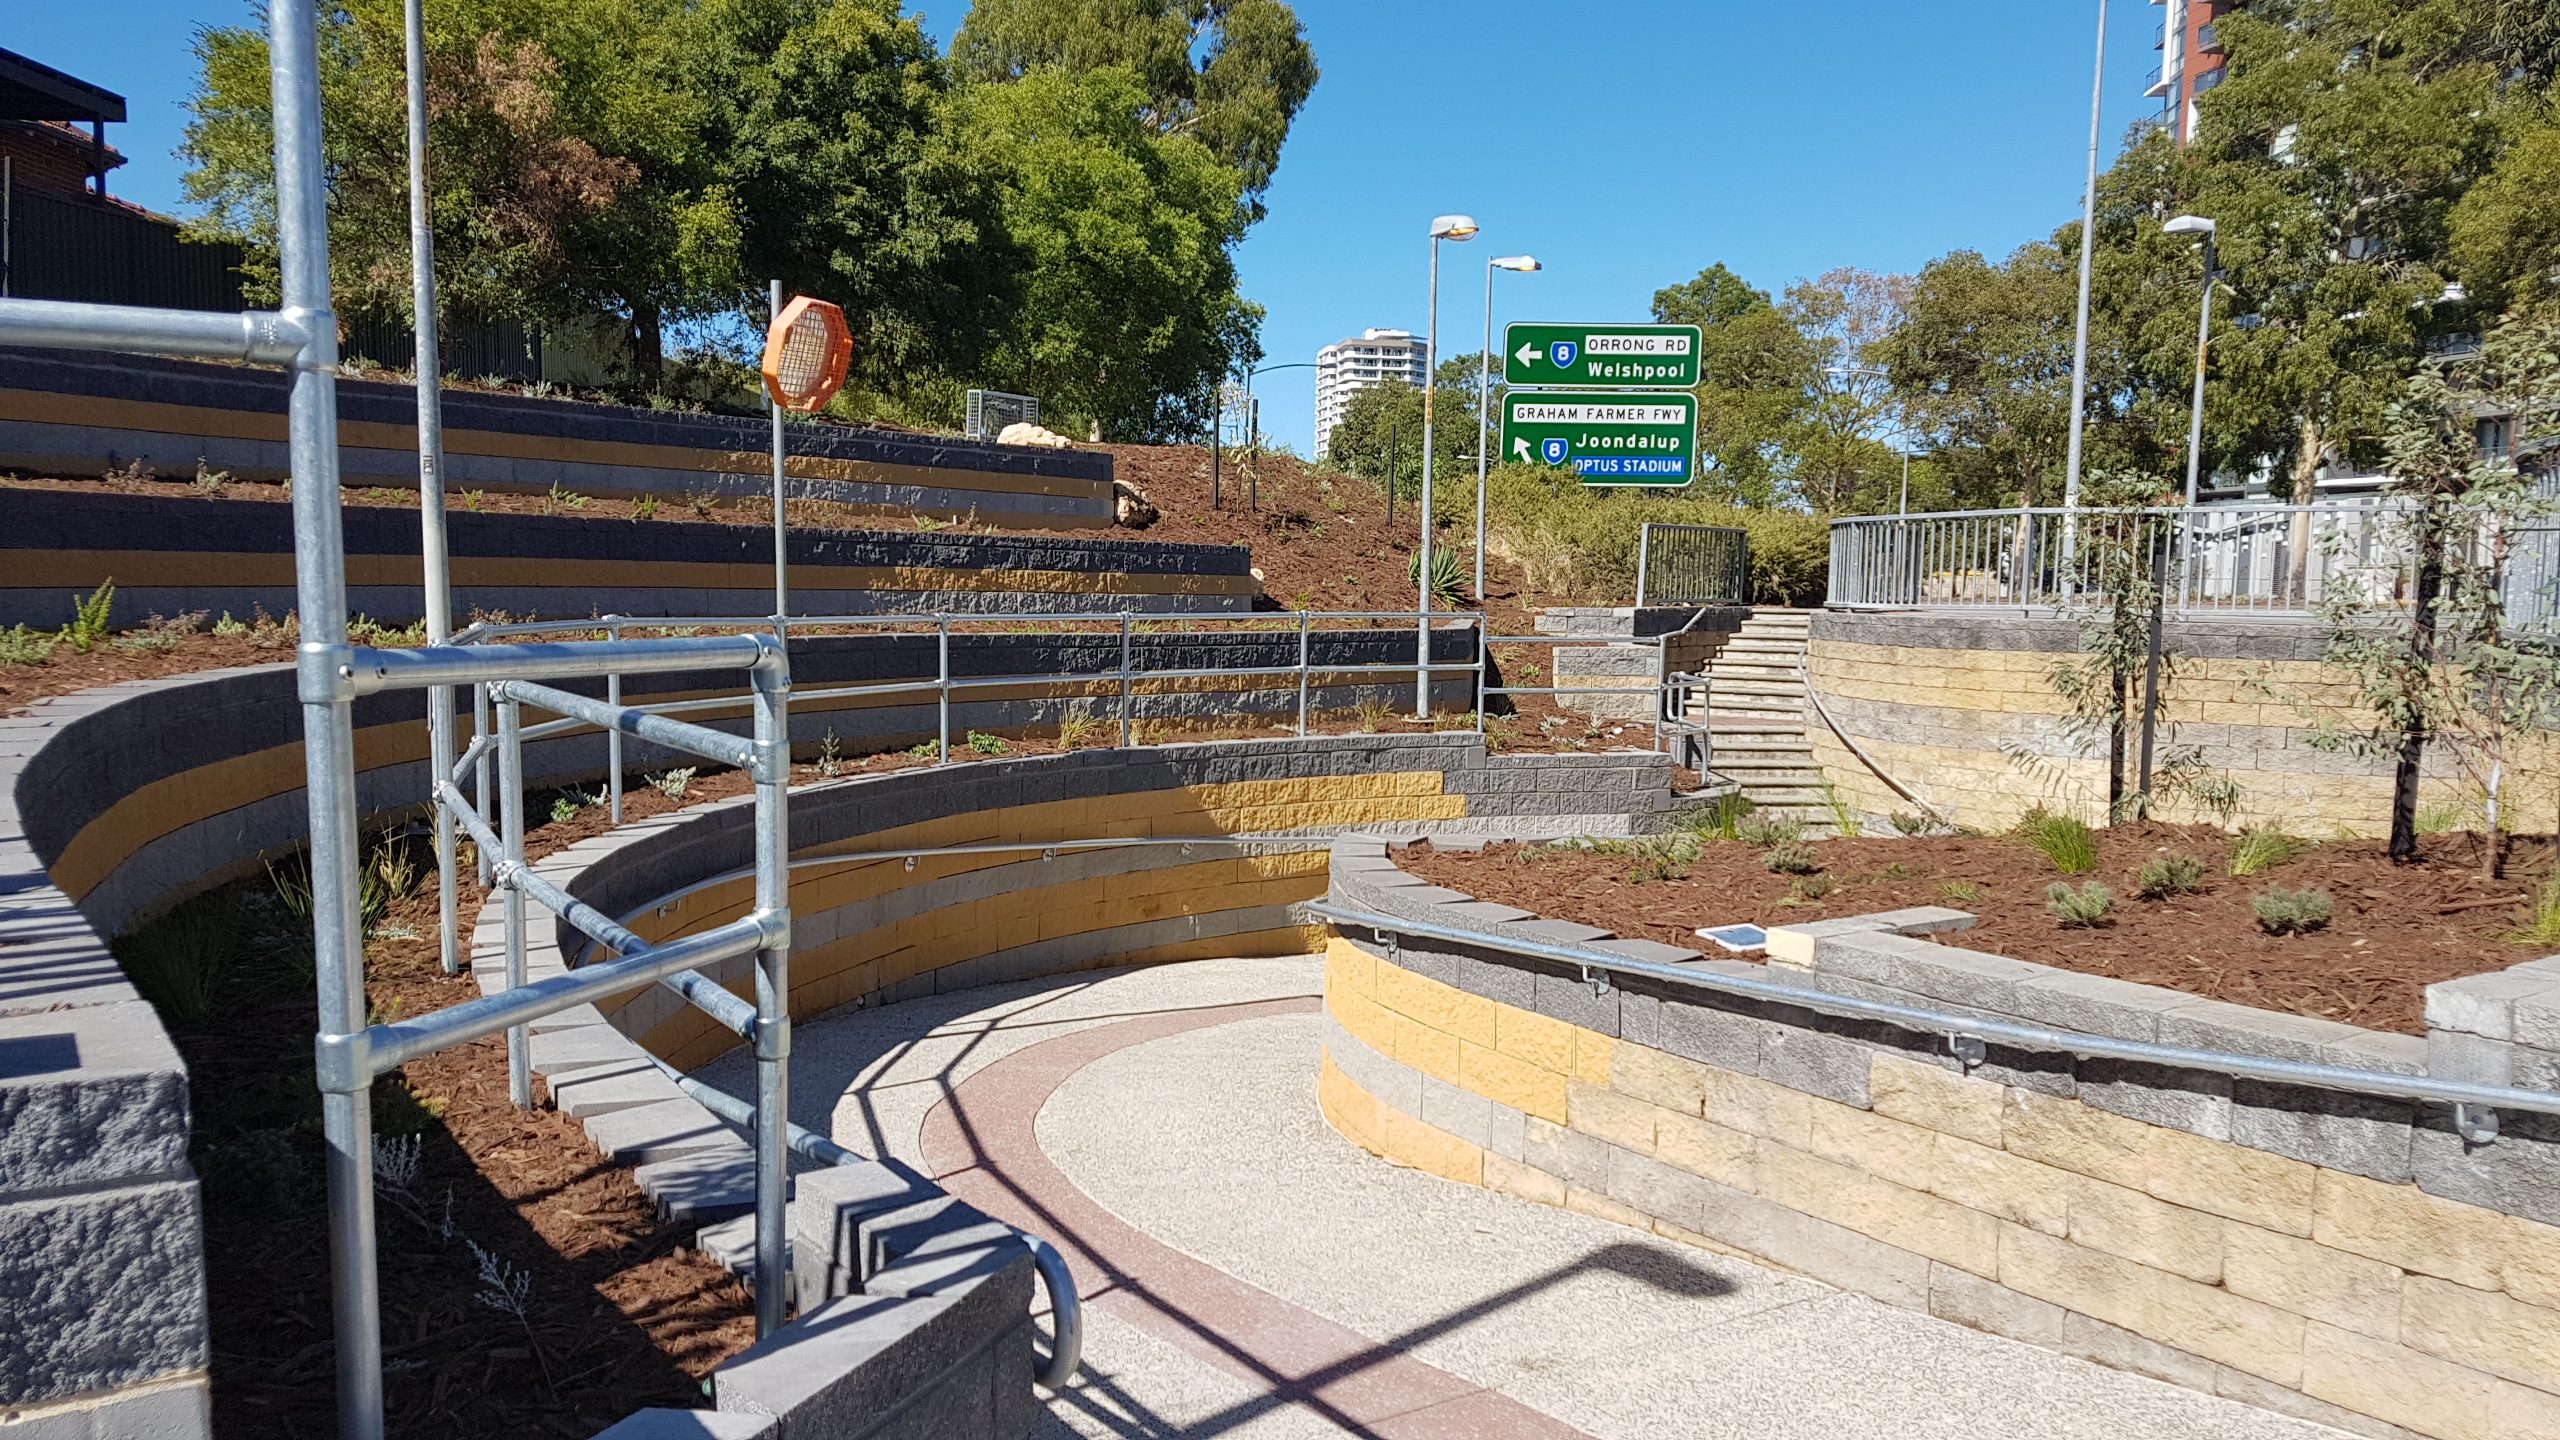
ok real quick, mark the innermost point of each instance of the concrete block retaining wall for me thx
(80, 415)
(148, 792)
(876, 931)
(171, 556)
(1696, 637)
(102, 1298)
(1961, 708)
(2340, 1259)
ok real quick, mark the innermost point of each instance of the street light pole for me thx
(1443, 227)
(2183, 225)
(2198, 225)
(2080, 334)
(1484, 399)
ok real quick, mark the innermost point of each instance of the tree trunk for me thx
(2306, 483)
(2422, 659)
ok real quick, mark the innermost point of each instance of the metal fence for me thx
(1692, 565)
(62, 247)
(2269, 559)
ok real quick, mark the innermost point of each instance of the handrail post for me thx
(773, 990)
(511, 835)
(1484, 669)
(1644, 558)
(1306, 623)
(942, 689)
(613, 737)
(1125, 693)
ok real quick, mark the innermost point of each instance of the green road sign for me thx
(1602, 355)
(1633, 438)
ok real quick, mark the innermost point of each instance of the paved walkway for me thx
(1249, 1273)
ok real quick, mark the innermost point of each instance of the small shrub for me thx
(1721, 818)
(1448, 583)
(701, 503)
(2263, 847)
(1959, 892)
(1905, 822)
(563, 810)
(645, 508)
(2065, 840)
(230, 629)
(1791, 857)
(1805, 889)
(674, 784)
(1373, 714)
(2081, 909)
(92, 620)
(928, 750)
(22, 646)
(1845, 821)
(2542, 921)
(2291, 912)
(1077, 725)
(1655, 864)
(2166, 875)
(1768, 830)
(473, 499)
(830, 757)
(210, 481)
(985, 744)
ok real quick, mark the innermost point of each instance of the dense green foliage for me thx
(1052, 209)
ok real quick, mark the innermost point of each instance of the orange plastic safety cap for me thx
(806, 353)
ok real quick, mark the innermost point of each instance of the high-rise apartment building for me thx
(1347, 367)
(2191, 60)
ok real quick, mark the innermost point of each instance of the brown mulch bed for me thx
(2397, 928)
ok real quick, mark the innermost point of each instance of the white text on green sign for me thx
(1545, 353)
(1604, 439)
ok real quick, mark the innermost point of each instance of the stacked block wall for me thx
(81, 415)
(171, 556)
(2344, 1260)
(1962, 709)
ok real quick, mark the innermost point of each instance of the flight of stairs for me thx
(1757, 716)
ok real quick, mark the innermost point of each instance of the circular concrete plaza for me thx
(1247, 1272)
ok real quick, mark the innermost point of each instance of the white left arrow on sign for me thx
(1527, 354)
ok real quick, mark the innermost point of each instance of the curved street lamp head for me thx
(2188, 225)
(1515, 262)
(1452, 227)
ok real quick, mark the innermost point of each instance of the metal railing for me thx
(2273, 560)
(2475, 1106)
(1692, 565)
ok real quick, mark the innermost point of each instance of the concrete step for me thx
(1757, 687)
(1735, 757)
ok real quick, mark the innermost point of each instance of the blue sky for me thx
(1628, 144)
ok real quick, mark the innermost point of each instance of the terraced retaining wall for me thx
(1961, 708)
(877, 931)
(80, 415)
(171, 556)
(2346, 1260)
(135, 796)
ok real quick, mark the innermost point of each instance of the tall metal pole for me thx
(781, 544)
(2195, 413)
(1217, 429)
(773, 987)
(428, 362)
(2080, 335)
(1252, 448)
(328, 731)
(1422, 610)
(1484, 401)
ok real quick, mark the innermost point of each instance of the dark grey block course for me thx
(89, 1097)
(1824, 1065)
(1495, 979)
(1569, 1155)
(1576, 1001)
(2359, 1134)
(2195, 1101)
(102, 1289)
(2519, 1173)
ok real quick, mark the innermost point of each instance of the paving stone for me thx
(709, 1185)
(562, 1052)
(603, 1089)
(662, 1131)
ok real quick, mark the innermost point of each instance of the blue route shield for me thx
(1555, 451)
(1562, 352)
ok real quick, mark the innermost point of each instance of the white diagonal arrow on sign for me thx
(1520, 448)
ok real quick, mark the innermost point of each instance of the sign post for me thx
(1540, 355)
(1605, 437)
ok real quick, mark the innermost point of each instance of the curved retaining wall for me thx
(877, 931)
(2346, 1260)
(84, 414)
(1960, 707)
(136, 796)
(170, 556)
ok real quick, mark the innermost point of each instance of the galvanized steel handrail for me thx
(1066, 1308)
(2476, 1105)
